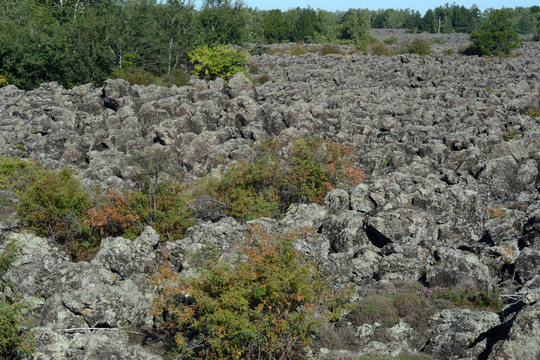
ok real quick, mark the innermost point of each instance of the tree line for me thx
(80, 41)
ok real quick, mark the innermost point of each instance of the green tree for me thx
(304, 29)
(223, 22)
(355, 26)
(497, 35)
(275, 26)
(178, 30)
(429, 22)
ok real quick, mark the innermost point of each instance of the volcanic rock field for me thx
(451, 196)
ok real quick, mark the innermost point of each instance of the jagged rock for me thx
(460, 268)
(125, 258)
(523, 340)
(455, 330)
(450, 197)
(89, 345)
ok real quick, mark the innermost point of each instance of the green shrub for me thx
(54, 205)
(265, 306)
(380, 49)
(298, 50)
(496, 36)
(254, 69)
(3, 81)
(507, 136)
(219, 61)
(390, 40)
(14, 342)
(177, 77)
(532, 113)
(258, 50)
(263, 79)
(438, 40)
(329, 49)
(16, 174)
(449, 52)
(166, 210)
(135, 75)
(418, 47)
(269, 184)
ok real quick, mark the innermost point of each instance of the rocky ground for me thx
(451, 196)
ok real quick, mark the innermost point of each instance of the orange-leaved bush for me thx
(265, 306)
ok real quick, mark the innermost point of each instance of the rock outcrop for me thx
(451, 196)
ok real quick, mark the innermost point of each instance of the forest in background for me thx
(75, 42)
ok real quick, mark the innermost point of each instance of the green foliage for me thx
(497, 35)
(219, 61)
(507, 136)
(263, 79)
(165, 210)
(355, 26)
(176, 77)
(438, 41)
(54, 204)
(275, 27)
(298, 50)
(390, 40)
(418, 47)
(329, 49)
(16, 174)
(223, 22)
(135, 75)
(380, 49)
(264, 306)
(14, 342)
(269, 184)
(3, 81)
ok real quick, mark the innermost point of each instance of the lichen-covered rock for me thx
(455, 330)
(451, 196)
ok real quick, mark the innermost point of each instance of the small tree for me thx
(218, 61)
(496, 36)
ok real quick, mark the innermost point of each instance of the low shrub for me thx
(258, 50)
(177, 77)
(166, 210)
(3, 81)
(263, 79)
(254, 69)
(418, 47)
(271, 182)
(298, 50)
(380, 49)
(329, 49)
(449, 52)
(532, 112)
(135, 75)
(15, 342)
(390, 40)
(54, 204)
(509, 135)
(265, 306)
(219, 61)
(438, 40)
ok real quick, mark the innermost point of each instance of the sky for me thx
(420, 5)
